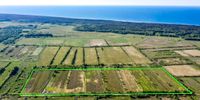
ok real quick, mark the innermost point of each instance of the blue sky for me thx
(103, 2)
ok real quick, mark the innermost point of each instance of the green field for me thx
(90, 56)
(61, 55)
(113, 55)
(47, 56)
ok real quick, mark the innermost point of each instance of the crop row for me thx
(91, 56)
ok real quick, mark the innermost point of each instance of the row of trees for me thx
(170, 30)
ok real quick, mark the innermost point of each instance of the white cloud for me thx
(102, 2)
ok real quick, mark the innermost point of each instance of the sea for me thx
(144, 14)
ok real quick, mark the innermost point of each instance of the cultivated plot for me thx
(113, 55)
(186, 53)
(136, 56)
(97, 42)
(102, 81)
(62, 53)
(183, 70)
(47, 56)
(90, 56)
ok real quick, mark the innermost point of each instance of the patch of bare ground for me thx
(97, 42)
(183, 70)
(194, 53)
(129, 82)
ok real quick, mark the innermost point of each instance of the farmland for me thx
(61, 58)
(91, 56)
(183, 70)
(136, 56)
(70, 57)
(113, 56)
(60, 55)
(47, 56)
(101, 81)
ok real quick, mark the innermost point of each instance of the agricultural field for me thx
(62, 53)
(187, 53)
(163, 42)
(160, 54)
(37, 51)
(3, 64)
(191, 54)
(195, 59)
(113, 55)
(39, 85)
(173, 61)
(136, 56)
(47, 55)
(91, 56)
(97, 42)
(56, 30)
(70, 58)
(79, 57)
(192, 83)
(63, 82)
(6, 73)
(41, 41)
(183, 70)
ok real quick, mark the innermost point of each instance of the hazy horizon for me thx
(155, 14)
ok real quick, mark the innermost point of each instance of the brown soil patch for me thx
(195, 53)
(183, 70)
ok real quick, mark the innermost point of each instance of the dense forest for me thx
(188, 32)
(8, 35)
(171, 30)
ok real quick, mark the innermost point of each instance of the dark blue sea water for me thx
(174, 15)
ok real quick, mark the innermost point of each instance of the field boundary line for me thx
(169, 74)
(186, 91)
(29, 78)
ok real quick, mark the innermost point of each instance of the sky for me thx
(102, 2)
